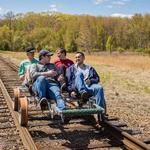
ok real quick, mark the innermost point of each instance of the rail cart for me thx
(23, 97)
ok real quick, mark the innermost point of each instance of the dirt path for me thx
(128, 97)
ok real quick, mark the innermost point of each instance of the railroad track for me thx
(9, 135)
(78, 134)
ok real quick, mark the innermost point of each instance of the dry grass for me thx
(130, 62)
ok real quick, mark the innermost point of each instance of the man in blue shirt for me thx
(83, 79)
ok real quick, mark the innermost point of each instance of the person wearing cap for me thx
(25, 63)
(46, 79)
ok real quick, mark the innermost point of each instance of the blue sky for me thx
(93, 7)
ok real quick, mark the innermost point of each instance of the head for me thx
(45, 56)
(61, 53)
(30, 52)
(80, 57)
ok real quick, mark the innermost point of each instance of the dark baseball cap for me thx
(30, 49)
(44, 52)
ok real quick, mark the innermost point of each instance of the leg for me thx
(98, 93)
(62, 70)
(40, 86)
(80, 84)
(55, 93)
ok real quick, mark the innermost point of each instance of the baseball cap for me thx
(44, 52)
(30, 49)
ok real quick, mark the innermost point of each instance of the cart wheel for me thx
(16, 99)
(23, 117)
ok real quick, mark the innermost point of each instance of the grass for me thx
(128, 61)
(147, 89)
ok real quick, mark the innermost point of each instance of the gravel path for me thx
(128, 97)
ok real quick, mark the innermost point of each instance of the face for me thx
(30, 56)
(79, 59)
(60, 55)
(47, 59)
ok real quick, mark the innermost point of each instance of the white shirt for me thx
(84, 70)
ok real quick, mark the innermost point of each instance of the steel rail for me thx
(24, 134)
(128, 140)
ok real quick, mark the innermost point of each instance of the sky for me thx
(122, 8)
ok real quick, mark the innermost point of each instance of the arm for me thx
(21, 71)
(93, 76)
(70, 79)
(34, 73)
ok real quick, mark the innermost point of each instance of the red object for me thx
(63, 62)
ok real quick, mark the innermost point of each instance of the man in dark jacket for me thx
(83, 79)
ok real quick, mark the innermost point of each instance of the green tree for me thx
(109, 44)
(85, 36)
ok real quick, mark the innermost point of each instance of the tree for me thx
(10, 17)
(109, 44)
(85, 36)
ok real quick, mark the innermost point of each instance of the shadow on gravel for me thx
(77, 135)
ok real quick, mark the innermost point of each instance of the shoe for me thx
(84, 97)
(63, 87)
(60, 104)
(43, 104)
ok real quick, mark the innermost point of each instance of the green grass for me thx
(147, 89)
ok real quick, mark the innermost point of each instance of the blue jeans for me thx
(49, 90)
(95, 89)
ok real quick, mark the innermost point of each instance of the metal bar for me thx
(126, 138)
(86, 111)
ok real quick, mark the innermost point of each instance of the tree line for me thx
(75, 32)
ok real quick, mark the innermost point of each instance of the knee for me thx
(99, 88)
(41, 79)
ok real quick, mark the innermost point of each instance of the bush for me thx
(140, 50)
(120, 49)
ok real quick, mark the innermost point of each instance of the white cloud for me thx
(53, 8)
(119, 2)
(97, 2)
(126, 0)
(3, 11)
(110, 3)
(121, 15)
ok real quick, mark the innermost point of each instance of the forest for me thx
(75, 32)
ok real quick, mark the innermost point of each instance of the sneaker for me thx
(63, 87)
(85, 96)
(43, 104)
(57, 110)
(60, 104)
